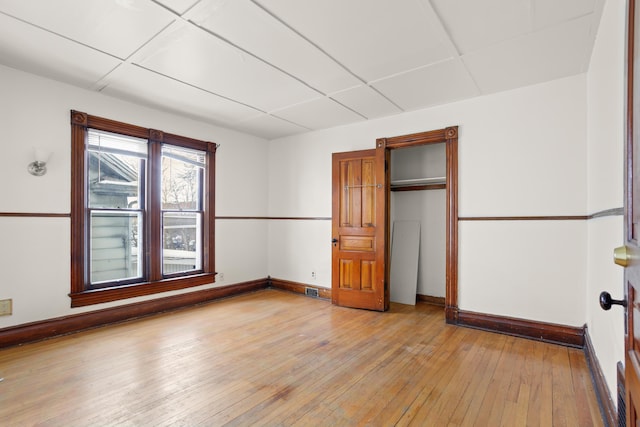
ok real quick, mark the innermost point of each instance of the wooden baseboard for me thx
(324, 293)
(607, 406)
(439, 301)
(548, 332)
(451, 314)
(621, 395)
(49, 328)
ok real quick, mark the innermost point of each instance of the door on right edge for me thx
(629, 254)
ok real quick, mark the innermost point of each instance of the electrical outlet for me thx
(313, 275)
(220, 277)
(6, 307)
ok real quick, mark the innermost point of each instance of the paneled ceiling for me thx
(279, 67)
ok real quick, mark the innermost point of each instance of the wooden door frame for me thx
(448, 136)
(631, 74)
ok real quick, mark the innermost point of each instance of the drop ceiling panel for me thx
(553, 53)
(473, 24)
(318, 114)
(269, 127)
(315, 64)
(116, 27)
(193, 56)
(139, 85)
(441, 83)
(550, 12)
(45, 54)
(178, 6)
(373, 39)
(366, 101)
(251, 28)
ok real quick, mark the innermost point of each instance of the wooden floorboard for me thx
(274, 358)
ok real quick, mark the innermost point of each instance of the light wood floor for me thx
(275, 358)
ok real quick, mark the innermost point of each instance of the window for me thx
(141, 211)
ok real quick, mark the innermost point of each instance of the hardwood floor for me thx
(276, 358)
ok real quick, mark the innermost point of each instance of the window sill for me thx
(98, 296)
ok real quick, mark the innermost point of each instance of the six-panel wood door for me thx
(358, 227)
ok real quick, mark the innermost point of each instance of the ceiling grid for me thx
(274, 68)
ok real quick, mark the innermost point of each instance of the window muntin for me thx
(116, 203)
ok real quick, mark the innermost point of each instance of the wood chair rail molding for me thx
(526, 218)
(34, 215)
(284, 218)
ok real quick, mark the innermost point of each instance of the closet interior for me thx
(418, 224)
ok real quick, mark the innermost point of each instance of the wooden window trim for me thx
(79, 295)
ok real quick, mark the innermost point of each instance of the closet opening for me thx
(418, 208)
(422, 202)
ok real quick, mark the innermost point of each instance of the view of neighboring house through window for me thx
(142, 212)
(116, 167)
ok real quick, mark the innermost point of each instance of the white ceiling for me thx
(279, 67)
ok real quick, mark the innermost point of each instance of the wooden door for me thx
(629, 255)
(358, 227)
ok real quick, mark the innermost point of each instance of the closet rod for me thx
(419, 181)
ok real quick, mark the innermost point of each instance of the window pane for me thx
(182, 250)
(182, 171)
(116, 167)
(116, 246)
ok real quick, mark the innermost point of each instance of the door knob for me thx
(334, 241)
(621, 256)
(606, 301)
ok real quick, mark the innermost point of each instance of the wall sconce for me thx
(39, 166)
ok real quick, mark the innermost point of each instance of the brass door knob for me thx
(621, 256)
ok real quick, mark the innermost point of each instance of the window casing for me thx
(142, 211)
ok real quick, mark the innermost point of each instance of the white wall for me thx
(605, 149)
(521, 153)
(35, 252)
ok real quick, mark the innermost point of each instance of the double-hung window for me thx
(142, 211)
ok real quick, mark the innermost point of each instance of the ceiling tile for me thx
(366, 101)
(251, 28)
(551, 12)
(549, 54)
(280, 67)
(116, 27)
(372, 39)
(179, 53)
(318, 114)
(42, 53)
(269, 127)
(139, 85)
(436, 84)
(178, 6)
(473, 24)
